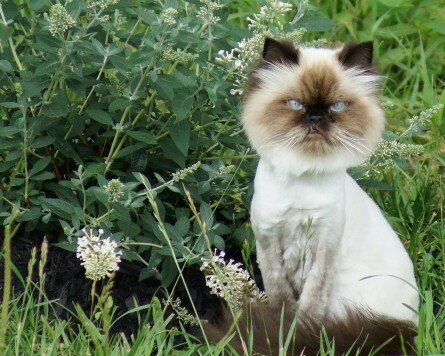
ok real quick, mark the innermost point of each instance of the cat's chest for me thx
(289, 212)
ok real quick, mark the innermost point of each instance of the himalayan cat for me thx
(323, 246)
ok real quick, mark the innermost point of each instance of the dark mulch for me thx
(66, 283)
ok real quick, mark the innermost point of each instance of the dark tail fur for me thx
(359, 332)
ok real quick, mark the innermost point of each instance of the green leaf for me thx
(118, 104)
(100, 116)
(29, 215)
(67, 150)
(37, 4)
(34, 84)
(146, 273)
(164, 88)
(171, 151)
(100, 195)
(129, 150)
(180, 134)
(168, 272)
(129, 228)
(181, 105)
(98, 46)
(121, 64)
(58, 206)
(369, 183)
(142, 179)
(142, 136)
(173, 234)
(40, 165)
(121, 212)
(58, 107)
(6, 144)
(5, 66)
(315, 23)
(401, 29)
(69, 246)
(395, 3)
(206, 214)
(6, 131)
(186, 80)
(42, 141)
(10, 105)
(182, 226)
(63, 192)
(43, 176)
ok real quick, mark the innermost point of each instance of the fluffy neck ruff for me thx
(293, 163)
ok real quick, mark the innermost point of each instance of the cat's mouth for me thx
(315, 132)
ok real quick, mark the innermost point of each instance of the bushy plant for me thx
(114, 111)
(104, 100)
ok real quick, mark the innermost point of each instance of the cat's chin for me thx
(296, 162)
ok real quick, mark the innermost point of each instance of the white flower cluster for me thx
(181, 313)
(387, 104)
(98, 256)
(207, 12)
(102, 4)
(272, 9)
(18, 89)
(179, 56)
(230, 281)
(227, 169)
(180, 175)
(59, 19)
(385, 153)
(115, 190)
(419, 122)
(168, 15)
(268, 22)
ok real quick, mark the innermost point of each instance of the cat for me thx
(323, 246)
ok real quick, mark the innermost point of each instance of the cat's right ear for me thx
(279, 52)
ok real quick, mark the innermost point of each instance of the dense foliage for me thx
(98, 90)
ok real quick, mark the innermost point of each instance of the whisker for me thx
(354, 147)
(277, 142)
(343, 144)
(350, 144)
(356, 140)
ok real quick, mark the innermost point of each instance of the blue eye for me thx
(295, 104)
(338, 107)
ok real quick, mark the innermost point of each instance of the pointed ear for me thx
(356, 55)
(281, 52)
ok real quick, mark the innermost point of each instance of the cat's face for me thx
(313, 105)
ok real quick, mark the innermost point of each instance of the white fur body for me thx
(319, 238)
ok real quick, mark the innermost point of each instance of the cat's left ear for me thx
(356, 55)
(279, 51)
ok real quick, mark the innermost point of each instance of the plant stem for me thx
(161, 226)
(93, 293)
(25, 157)
(11, 44)
(119, 129)
(9, 233)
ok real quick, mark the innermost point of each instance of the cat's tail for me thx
(267, 328)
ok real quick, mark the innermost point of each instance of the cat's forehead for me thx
(317, 82)
(318, 76)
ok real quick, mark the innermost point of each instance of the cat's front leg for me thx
(321, 275)
(270, 259)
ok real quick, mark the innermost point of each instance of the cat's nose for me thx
(315, 115)
(315, 119)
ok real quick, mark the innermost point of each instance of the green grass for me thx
(411, 54)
